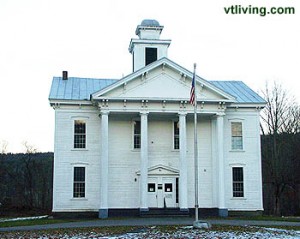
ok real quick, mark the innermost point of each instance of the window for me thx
(168, 187)
(79, 134)
(236, 136)
(79, 182)
(237, 182)
(151, 187)
(136, 134)
(151, 55)
(176, 135)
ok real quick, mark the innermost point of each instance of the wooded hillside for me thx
(26, 182)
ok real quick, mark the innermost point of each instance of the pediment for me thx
(161, 170)
(158, 85)
(162, 80)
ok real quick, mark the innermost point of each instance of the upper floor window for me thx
(150, 55)
(237, 182)
(137, 134)
(236, 136)
(79, 134)
(79, 182)
(176, 135)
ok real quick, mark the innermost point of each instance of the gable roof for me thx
(76, 88)
(240, 91)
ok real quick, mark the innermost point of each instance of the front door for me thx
(162, 192)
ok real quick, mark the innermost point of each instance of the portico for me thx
(151, 156)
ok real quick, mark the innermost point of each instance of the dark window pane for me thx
(168, 187)
(237, 174)
(177, 190)
(79, 174)
(176, 135)
(137, 135)
(151, 187)
(79, 182)
(151, 55)
(137, 127)
(237, 182)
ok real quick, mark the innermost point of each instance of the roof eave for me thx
(54, 102)
(259, 105)
(152, 99)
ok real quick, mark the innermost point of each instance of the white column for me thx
(220, 159)
(103, 212)
(183, 192)
(214, 148)
(144, 162)
(260, 183)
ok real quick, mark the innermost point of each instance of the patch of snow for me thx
(180, 233)
(22, 218)
(185, 232)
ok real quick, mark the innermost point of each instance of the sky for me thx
(90, 38)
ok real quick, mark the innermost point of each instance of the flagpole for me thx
(195, 147)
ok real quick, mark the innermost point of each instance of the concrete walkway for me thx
(148, 222)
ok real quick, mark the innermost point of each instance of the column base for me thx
(223, 212)
(184, 210)
(103, 213)
(144, 209)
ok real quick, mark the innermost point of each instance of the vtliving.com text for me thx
(261, 11)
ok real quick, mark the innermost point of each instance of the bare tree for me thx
(280, 124)
(4, 145)
(2, 170)
(281, 114)
(30, 149)
(30, 167)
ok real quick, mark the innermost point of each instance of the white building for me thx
(126, 146)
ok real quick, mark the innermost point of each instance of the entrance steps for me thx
(165, 212)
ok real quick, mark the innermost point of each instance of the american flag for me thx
(192, 97)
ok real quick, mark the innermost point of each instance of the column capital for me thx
(220, 114)
(182, 113)
(144, 112)
(104, 112)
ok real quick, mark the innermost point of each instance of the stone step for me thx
(165, 212)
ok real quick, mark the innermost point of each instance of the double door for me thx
(162, 192)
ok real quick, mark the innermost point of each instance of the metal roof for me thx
(150, 23)
(239, 90)
(75, 88)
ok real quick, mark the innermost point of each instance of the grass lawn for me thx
(267, 218)
(34, 222)
(44, 221)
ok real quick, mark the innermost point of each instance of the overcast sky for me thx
(90, 38)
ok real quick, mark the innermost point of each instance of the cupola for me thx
(149, 47)
(149, 29)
